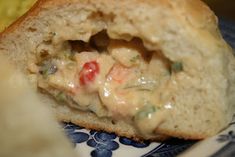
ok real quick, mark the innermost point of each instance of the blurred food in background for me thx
(12, 9)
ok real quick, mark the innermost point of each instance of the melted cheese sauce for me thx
(119, 83)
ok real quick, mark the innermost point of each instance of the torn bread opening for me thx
(109, 77)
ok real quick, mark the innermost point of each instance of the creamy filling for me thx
(111, 78)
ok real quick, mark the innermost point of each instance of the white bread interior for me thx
(185, 30)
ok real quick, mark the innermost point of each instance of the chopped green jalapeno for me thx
(68, 54)
(61, 97)
(142, 84)
(134, 59)
(145, 112)
(141, 87)
(47, 68)
(176, 67)
(53, 33)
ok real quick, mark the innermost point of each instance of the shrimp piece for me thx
(120, 74)
(118, 100)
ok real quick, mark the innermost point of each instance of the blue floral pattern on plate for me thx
(129, 142)
(104, 143)
(74, 134)
(170, 148)
(228, 31)
(229, 149)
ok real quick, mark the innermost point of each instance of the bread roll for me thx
(142, 69)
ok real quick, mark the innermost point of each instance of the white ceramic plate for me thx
(101, 144)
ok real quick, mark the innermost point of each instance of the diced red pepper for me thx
(89, 72)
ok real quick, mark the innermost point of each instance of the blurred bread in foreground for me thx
(28, 129)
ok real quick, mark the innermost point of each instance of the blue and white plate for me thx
(101, 144)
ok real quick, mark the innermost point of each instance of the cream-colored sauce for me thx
(124, 85)
(126, 90)
(151, 122)
(125, 53)
(64, 78)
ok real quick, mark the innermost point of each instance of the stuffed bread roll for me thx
(142, 69)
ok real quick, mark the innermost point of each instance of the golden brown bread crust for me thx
(195, 28)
